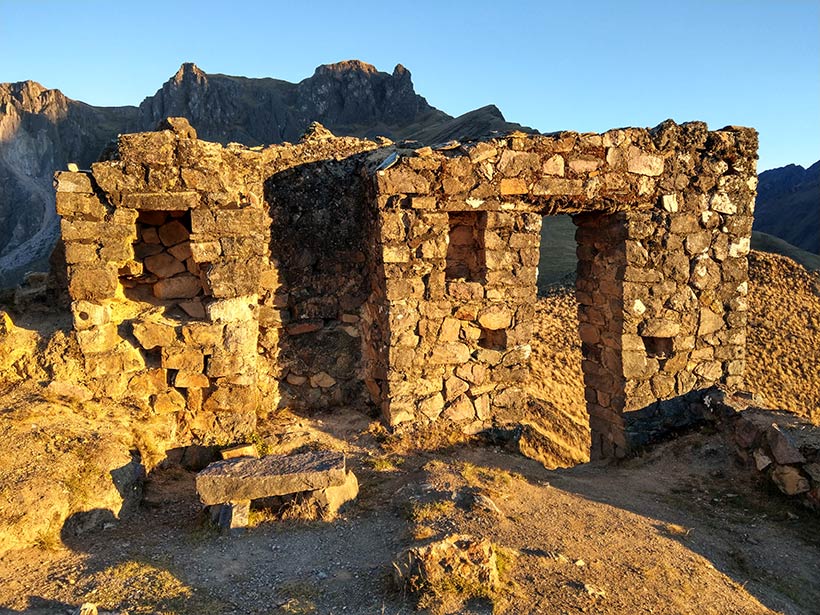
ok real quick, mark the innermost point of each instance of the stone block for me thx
(87, 314)
(251, 479)
(643, 163)
(789, 480)
(169, 401)
(164, 265)
(183, 358)
(123, 358)
(232, 516)
(191, 380)
(76, 252)
(149, 382)
(87, 206)
(240, 450)
(449, 353)
(710, 322)
(495, 318)
(322, 380)
(233, 309)
(461, 409)
(184, 286)
(782, 447)
(165, 201)
(194, 308)
(432, 406)
(659, 327)
(330, 500)
(203, 335)
(73, 182)
(101, 338)
(205, 251)
(154, 334)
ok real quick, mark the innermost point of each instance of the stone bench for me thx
(231, 484)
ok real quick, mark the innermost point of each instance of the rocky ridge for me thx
(788, 205)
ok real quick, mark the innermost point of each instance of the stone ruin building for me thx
(218, 284)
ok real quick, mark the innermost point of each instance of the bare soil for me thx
(680, 530)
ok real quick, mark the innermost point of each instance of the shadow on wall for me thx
(310, 327)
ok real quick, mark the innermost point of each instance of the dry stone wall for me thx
(664, 218)
(220, 283)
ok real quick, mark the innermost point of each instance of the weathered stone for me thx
(450, 353)
(92, 284)
(783, 449)
(762, 461)
(154, 334)
(233, 515)
(659, 327)
(232, 310)
(432, 406)
(164, 265)
(146, 383)
(512, 186)
(191, 380)
(101, 338)
(453, 387)
(709, 322)
(495, 318)
(789, 480)
(251, 479)
(87, 314)
(172, 201)
(68, 390)
(65, 181)
(183, 358)
(643, 163)
(194, 309)
(459, 410)
(330, 500)
(183, 286)
(322, 380)
(170, 401)
(456, 561)
(239, 450)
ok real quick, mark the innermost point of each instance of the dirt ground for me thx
(681, 529)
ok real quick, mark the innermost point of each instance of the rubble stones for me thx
(458, 561)
(780, 445)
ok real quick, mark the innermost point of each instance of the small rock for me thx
(783, 449)
(762, 461)
(789, 480)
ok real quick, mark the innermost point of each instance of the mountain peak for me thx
(189, 71)
(347, 66)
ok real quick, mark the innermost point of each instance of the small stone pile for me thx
(779, 445)
(446, 573)
(168, 267)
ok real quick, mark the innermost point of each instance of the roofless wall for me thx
(337, 272)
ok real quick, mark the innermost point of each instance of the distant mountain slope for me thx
(41, 130)
(788, 205)
(763, 242)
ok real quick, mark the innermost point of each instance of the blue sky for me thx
(589, 65)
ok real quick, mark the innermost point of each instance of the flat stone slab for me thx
(233, 480)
